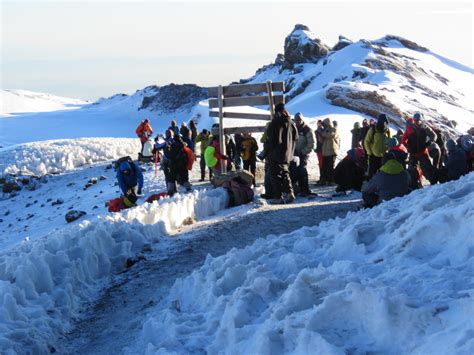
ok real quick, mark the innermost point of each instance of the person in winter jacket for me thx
(130, 180)
(204, 138)
(268, 194)
(231, 151)
(174, 127)
(374, 143)
(144, 132)
(454, 163)
(416, 139)
(391, 181)
(355, 135)
(466, 142)
(213, 155)
(330, 138)
(349, 173)
(319, 145)
(398, 150)
(282, 134)
(303, 147)
(194, 130)
(174, 165)
(248, 153)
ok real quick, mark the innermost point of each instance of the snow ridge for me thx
(394, 279)
(45, 282)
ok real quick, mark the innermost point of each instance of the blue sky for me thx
(91, 49)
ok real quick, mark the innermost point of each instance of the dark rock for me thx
(25, 181)
(42, 205)
(2, 180)
(108, 167)
(49, 200)
(171, 97)
(10, 186)
(71, 184)
(95, 207)
(74, 215)
(102, 178)
(1, 220)
(59, 201)
(342, 43)
(92, 180)
(300, 47)
(7, 213)
(30, 215)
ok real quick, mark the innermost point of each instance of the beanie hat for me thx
(387, 156)
(417, 116)
(382, 118)
(299, 115)
(279, 107)
(467, 143)
(215, 129)
(356, 125)
(391, 142)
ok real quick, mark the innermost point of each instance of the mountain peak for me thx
(303, 46)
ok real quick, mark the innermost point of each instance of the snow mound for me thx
(23, 101)
(57, 156)
(394, 279)
(45, 282)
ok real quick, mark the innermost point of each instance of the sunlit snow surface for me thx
(395, 279)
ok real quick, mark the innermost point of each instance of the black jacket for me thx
(282, 134)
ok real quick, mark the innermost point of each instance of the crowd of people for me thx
(378, 164)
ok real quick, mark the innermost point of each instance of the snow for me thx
(393, 279)
(44, 282)
(23, 101)
(58, 156)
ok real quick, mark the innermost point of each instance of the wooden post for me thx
(221, 128)
(270, 98)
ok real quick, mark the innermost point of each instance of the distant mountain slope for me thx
(391, 75)
(23, 101)
(348, 82)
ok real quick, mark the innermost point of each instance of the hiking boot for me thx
(201, 180)
(288, 198)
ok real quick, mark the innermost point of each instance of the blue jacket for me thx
(126, 182)
(391, 181)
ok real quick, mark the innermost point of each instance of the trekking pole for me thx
(156, 163)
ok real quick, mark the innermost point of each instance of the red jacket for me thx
(144, 131)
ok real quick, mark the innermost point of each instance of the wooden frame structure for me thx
(221, 97)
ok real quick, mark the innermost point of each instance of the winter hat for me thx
(146, 120)
(372, 121)
(382, 118)
(365, 123)
(356, 153)
(471, 131)
(356, 125)
(125, 166)
(391, 142)
(467, 142)
(418, 116)
(215, 129)
(280, 107)
(450, 145)
(387, 156)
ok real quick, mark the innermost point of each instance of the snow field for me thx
(45, 282)
(58, 156)
(394, 279)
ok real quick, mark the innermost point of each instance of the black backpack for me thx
(417, 141)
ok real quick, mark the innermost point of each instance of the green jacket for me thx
(204, 142)
(374, 142)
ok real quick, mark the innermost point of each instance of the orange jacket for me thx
(144, 131)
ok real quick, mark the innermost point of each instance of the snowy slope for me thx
(361, 80)
(395, 279)
(23, 101)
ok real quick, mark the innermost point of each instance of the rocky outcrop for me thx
(370, 103)
(342, 43)
(173, 97)
(404, 42)
(302, 46)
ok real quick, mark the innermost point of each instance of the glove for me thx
(139, 192)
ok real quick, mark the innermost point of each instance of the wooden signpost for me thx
(224, 97)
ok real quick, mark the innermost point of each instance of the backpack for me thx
(239, 192)
(190, 157)
(128, 160)
(417, 141)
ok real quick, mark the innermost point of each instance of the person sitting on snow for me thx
(349, 173)
(130, 180)
(391, 181)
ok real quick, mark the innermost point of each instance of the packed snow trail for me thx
(116, 319)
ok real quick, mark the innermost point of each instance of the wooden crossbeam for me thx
(243, 115)
(245, 101)
(245, 89)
